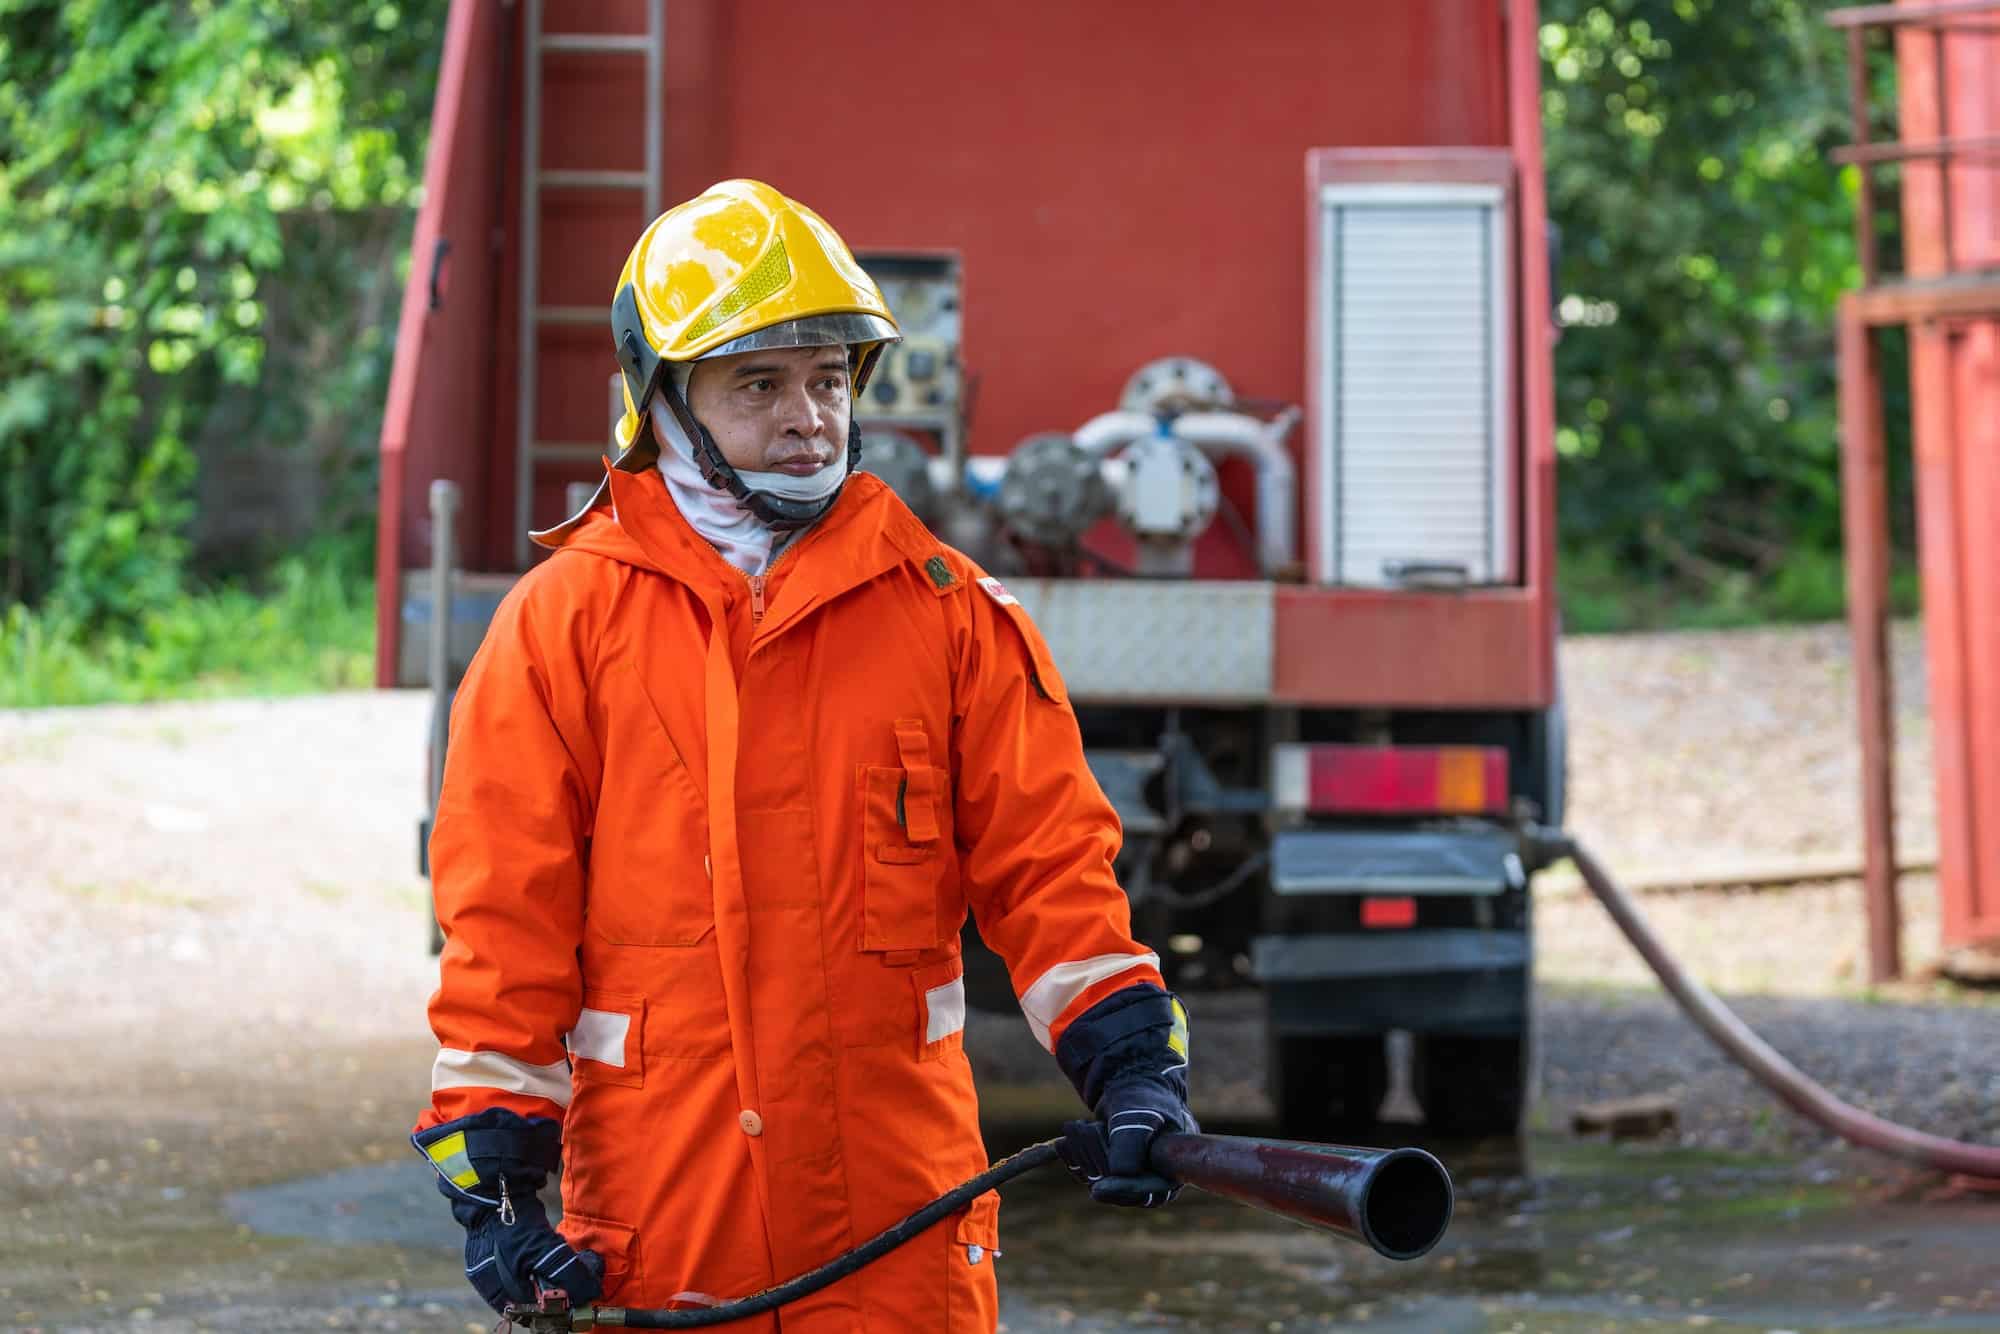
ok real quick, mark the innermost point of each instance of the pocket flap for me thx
(980, 1224)
(902, 854)
(904, 881)
(917, 796)
(617, 1244)
(1042, 673)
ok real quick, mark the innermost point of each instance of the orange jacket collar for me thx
(866, 533)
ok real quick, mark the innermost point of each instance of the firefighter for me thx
(725, 777)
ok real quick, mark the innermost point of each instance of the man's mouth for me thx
(800, 465)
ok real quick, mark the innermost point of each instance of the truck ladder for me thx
(528, 451)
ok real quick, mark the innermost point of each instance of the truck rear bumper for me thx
(1448, 980)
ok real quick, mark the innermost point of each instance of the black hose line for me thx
(757, 1303)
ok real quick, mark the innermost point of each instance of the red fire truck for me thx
(1226, 344)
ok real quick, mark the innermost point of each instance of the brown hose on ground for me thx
(1799, 1092)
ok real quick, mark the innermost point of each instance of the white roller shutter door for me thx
(1412, 440)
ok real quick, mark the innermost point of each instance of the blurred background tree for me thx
(160, 166)
(1705, 238)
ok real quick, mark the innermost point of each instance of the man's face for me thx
(784, 410)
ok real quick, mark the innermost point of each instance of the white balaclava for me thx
(743, 539)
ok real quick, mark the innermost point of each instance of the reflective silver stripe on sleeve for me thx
(1044, 1002)
(490, 1070)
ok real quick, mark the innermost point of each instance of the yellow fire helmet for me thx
(737, 268)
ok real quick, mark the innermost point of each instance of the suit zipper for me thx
(757, 581)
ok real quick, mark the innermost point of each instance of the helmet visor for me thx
(847, 328)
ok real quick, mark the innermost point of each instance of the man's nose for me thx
(800, 413)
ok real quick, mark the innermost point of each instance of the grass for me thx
(1599, 596)
(307, 625)
(128, 893)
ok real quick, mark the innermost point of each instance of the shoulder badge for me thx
(939, 572)
(998, 592)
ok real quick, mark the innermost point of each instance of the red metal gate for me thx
(1948, 73)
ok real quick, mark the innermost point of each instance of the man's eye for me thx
(761, 386)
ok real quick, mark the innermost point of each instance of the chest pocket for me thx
(909, 864)
(649, 869)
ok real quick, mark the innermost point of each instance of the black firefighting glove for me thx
(1127, 1055)
(490, 1166)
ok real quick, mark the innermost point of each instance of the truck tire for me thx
(1327, 1088)
(1472, 1086)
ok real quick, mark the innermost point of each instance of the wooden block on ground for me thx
(1645, 1117)
(1976, 965)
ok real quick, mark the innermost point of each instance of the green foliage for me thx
(1599, 596)
(148, 153)
(308, 625)
(1705, 239)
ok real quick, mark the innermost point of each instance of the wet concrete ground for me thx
(1565, 1236)
(215, 1041)
(254, 1187)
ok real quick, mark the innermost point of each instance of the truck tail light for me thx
(1389, 780)
(1381, 914)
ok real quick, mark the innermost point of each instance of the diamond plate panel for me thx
(1143, 641)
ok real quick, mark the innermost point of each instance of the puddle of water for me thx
(393, 1204)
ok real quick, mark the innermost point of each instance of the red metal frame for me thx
(1865, 518)
(438, 405)
(1368, 648)
(1950, 298)
(1486, 648)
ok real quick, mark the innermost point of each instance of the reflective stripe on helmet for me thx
(848, 328)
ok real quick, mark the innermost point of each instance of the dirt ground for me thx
(216, 1041)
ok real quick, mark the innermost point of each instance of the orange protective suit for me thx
(704, 849)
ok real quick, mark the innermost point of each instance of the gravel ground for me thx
(1711, 748)
(218, 972)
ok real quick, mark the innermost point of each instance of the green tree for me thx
(147, 155)
(1705, 239)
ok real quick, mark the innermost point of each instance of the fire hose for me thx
(1793, 1087)
(1397, 1202)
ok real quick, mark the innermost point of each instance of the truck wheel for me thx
(1473, 1086)
(1327, 1088)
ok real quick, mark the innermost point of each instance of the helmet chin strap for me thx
(780, 513)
